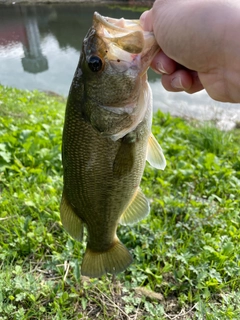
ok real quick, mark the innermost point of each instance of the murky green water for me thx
(40, 48)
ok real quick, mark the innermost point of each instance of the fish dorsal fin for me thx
(155, 154)
(71, 222)
(137, 209)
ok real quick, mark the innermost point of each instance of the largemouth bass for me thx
(107, 139)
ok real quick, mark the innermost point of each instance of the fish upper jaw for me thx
(115, 25)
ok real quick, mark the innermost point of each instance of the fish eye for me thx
(95, 63)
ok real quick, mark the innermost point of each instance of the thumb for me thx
(146, 20)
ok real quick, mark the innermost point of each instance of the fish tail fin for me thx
(114, 260)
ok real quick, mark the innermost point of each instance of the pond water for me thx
(40, 47)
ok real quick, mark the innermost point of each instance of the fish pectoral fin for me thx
(137, 210)
(114, 260)
(155, 154)
(71, 222)
(124, 159)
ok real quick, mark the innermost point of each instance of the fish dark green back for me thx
(106, 138)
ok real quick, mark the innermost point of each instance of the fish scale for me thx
(106, 141)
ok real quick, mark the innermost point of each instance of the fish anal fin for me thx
(71, 222)
(137, 210)
(114, 260)
(155, 154)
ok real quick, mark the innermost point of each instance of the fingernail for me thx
(160, 68)
(177, 83)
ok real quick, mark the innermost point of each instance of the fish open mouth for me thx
(129, 36)
(126, 34)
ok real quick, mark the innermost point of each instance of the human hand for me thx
(199, 46)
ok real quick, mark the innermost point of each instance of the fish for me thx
(106, 141)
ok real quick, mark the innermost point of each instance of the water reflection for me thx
(18, 25)
(198, 106)
(33, 61)
(45, 42)
(40, 47)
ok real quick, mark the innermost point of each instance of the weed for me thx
(186, 252)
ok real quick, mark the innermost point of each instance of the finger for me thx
(196, 83)
(146, 20)
(182, 80)
(163, 64)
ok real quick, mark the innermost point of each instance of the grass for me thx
(186, 253)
